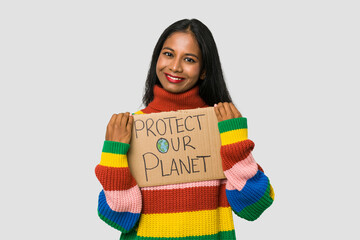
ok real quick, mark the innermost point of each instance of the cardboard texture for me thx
(175, 147)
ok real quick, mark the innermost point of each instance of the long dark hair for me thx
(213, 88)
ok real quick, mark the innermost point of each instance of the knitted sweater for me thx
(196, 210)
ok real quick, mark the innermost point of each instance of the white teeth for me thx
(173, 78)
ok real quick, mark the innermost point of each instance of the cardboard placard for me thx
(175, 147)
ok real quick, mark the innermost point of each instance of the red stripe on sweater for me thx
(149, 110)
(184, 200)
(112, 178)
(233, 153)
(223, 202)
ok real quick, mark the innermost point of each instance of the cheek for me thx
(160, 64)
(195, 71)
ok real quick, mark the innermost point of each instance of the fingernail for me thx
(215, 105)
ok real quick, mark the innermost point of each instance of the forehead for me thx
(180, 41)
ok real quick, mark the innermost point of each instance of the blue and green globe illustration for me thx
(162, 145)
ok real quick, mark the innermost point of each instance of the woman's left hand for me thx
(225, 111)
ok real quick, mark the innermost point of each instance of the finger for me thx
(235, 111)
(217, 113)
(112, 119)
(229, 113)
(130, 123)
(118, 119)
(222, 110)
(109, 126)
(124, 119)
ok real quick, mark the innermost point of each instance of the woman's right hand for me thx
(119, 128)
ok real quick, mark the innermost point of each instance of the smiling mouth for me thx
(173, 79)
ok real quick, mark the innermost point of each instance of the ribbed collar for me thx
(165, 101)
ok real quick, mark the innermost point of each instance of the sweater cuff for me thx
(115, 147)
(232, 124)
(233, 130)
(114, 154)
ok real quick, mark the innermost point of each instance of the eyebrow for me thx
(190, 54)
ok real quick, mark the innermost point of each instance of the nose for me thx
(175, 65)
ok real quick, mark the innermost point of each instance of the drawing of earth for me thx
(162, 145)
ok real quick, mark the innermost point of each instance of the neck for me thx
(165, 101)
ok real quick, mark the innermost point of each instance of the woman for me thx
(185, 73)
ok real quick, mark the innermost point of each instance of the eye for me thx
(167, 54)
(190, 60)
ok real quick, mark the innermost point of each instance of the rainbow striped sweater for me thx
(191, 211)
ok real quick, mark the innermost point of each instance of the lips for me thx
(173, 79)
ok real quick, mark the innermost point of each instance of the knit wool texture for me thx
(191, 211)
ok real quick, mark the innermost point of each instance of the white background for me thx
(292, 68)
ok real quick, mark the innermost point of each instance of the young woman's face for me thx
(179, 64)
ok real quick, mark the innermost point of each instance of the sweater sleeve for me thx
(120, 200)
(248, 189)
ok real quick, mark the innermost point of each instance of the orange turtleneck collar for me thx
(165, 101)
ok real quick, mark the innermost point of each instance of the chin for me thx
(174, 90)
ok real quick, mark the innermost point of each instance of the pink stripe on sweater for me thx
(211, 183)
(240, 173)
(124, 200)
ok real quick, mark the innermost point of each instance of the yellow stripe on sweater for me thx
(184, 224)
(234, 136)
(272, 193)
(138, 112)
(113, 160)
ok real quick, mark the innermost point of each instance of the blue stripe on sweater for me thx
(126, 220)
(253, 190)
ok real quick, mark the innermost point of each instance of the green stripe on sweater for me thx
(229, 235)
(111, 223)
(232, 124)
(253, 211)
(115, 147)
